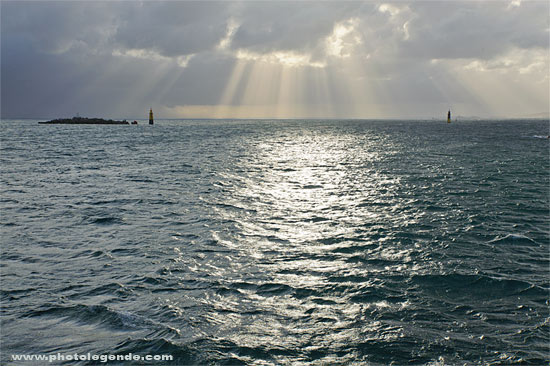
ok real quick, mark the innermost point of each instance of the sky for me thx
(276, 59)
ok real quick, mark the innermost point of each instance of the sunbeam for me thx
(231, 86)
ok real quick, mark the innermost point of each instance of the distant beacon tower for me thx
(448, 116)
(150, 116)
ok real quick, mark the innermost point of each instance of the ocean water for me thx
(293, 242)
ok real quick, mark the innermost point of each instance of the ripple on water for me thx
(278, 242)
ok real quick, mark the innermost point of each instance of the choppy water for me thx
(278, 242)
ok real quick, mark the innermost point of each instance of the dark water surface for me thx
(277, 242)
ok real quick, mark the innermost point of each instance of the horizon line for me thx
(458, 118)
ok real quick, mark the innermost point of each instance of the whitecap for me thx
(512, 237)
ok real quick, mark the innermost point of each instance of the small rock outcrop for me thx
(84, 121)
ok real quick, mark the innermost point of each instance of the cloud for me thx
(57, 27)
(296, 26)
(172, 28)
(474, 29)
(121, 57)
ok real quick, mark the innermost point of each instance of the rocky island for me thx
(84, 121)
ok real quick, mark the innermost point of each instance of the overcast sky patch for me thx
(296, 59)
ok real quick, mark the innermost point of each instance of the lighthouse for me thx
(150, 116)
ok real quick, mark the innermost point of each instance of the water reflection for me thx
(311, 217)
(231, 242)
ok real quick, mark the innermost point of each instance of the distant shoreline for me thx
(84, 121)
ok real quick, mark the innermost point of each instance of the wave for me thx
(181, 354)
(103, 316)
(312, 186)
(110, 220)
(513, 238)
(226, 352)
(476, 287)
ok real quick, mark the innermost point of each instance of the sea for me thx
(275, 242)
